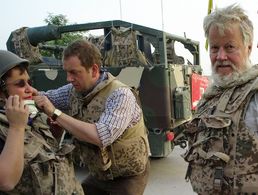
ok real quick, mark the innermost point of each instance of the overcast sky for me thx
(179, 16)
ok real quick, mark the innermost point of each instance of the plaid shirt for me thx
(121, 111)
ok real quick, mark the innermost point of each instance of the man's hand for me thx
(44, 104)
(16, 112)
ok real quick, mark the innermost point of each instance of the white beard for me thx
(225, 80)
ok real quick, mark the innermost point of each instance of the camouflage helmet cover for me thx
(8, 60)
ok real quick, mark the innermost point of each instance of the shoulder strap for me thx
(225, 97)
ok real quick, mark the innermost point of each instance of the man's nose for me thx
(69, 78)
(222, 54)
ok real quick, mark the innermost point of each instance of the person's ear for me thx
(249, 49)
(2, 83)
(3, 94)
(95, 70)
(3, 91)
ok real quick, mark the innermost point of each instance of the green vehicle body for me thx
(163, 84)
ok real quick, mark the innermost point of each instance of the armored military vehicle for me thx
(169, 85)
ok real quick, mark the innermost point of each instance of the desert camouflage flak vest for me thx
(124, 51)
(127, 156)
(223, 152)
(48, 168)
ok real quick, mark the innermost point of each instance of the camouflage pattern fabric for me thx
(172, 57)
(48, 169)
(23, 48)
(127, 156)
(98, 41)
(171, 54)
(124, 51)
(222, 150)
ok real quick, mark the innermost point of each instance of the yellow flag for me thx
(210, 6)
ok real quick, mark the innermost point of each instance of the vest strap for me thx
(209, 155)
(218, 178)
(224, 99)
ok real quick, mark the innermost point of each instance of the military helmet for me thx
(8, 60)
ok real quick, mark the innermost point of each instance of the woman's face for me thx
(19, 84)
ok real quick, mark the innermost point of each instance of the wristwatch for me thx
(56, 114)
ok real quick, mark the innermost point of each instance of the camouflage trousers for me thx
(133, 185)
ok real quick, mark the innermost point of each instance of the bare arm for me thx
(121, 112)
(12, 156)
(82, 130)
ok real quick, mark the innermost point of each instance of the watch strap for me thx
(56, 114)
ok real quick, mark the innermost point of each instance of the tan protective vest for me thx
(48, 168)
(223, 152)
(128, 155)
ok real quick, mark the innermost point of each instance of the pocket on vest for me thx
(246, 184)
(42, 178)
(209, 141)
(129, 157)
(32, 146)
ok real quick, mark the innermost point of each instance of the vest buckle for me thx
(218, 178)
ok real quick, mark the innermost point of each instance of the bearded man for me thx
(223, 134)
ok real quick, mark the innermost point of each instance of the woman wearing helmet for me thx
(11, 157)
(31, 160)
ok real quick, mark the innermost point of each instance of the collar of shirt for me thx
(103, 76)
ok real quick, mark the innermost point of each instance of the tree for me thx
(55, 47)
(59, 20)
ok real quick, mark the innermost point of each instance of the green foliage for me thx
(59, 20)
(57, 45)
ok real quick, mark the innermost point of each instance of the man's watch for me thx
(56, 114)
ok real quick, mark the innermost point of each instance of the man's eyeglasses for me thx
(21, 83)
